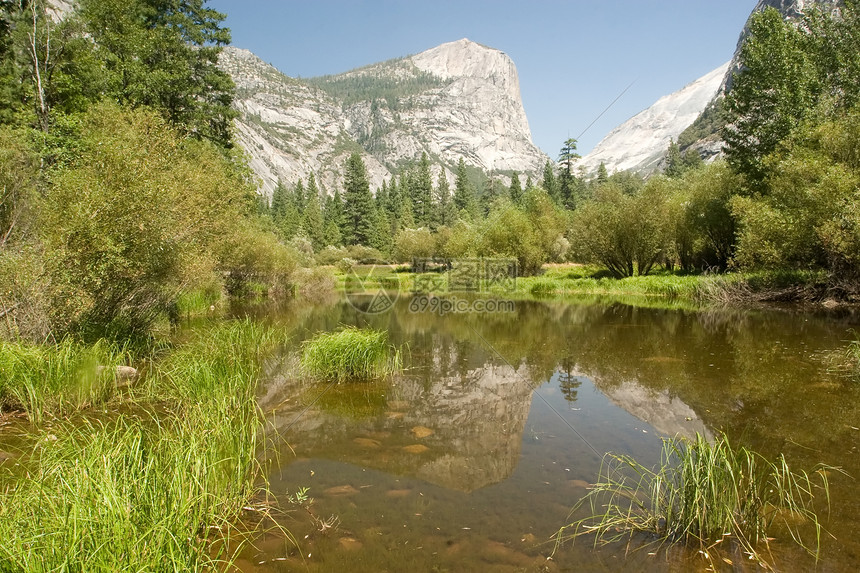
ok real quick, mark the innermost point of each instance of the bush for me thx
(809, 216)
(412, 244)
(627, 234)
(133, 221)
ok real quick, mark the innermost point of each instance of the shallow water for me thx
(472, 458)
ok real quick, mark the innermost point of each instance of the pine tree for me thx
(464, 196)
(333, 220)
(516, 190)
(674, 161)
(489, 196)
(445, 212)
(602, 174)
(422, 193)
(313, 223)
(550, 183)
(357, 203)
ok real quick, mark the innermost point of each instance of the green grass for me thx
(350, 354)
(159, 487)
(56, 380)
(709, 494)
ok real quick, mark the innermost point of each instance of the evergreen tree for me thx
(566, 158)
(298, 196)
(279, 203)
(333, 220)
(602, 174)
(464, 196)
(313, 223)
(422, 193)
(529, 183)
(674, 160)
(489, 196)
(550, 183)
(358, 211)
(445, 212)
(516, 190)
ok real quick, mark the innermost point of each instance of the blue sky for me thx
(573, 57)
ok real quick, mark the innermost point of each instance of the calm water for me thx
(472, 458)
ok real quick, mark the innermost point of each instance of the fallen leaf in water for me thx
(578, 483)
(341, 491)
(394, 415)
(349, 543)
(422, 431)
(398, 492)
(367, 443)
(415, 449)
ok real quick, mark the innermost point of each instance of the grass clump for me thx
(57, 379)
(350, 354)
(160, 487)
(704, 493)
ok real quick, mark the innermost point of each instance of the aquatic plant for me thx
(57, 379)
(350, 354)
(705, 493)
(160, 487)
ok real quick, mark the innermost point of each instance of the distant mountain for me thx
(640, 143)
(690, 116)
(457, 100)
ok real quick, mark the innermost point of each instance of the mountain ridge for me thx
(456, 100)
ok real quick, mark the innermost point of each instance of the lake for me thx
(472, 458)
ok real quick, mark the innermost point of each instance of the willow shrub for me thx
(134, 220)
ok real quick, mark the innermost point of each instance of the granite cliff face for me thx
(641, 143)
(457, 100)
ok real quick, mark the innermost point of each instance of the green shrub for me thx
(132, 222)
(350, 354)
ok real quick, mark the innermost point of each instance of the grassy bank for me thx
(577, 281)
(155, 487)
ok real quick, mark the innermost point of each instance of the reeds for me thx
(57, 379)
(157, 488)
(709, 494)
(350, 354)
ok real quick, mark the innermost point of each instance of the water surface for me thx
(472, 458)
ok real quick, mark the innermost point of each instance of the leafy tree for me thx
(809, 219)
(164, 54)
(705, 229)
(627, 234)
(19, 171)
(138, 219)
(358, 212)
(775, 90)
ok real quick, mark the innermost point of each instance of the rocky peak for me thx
(458, 100)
